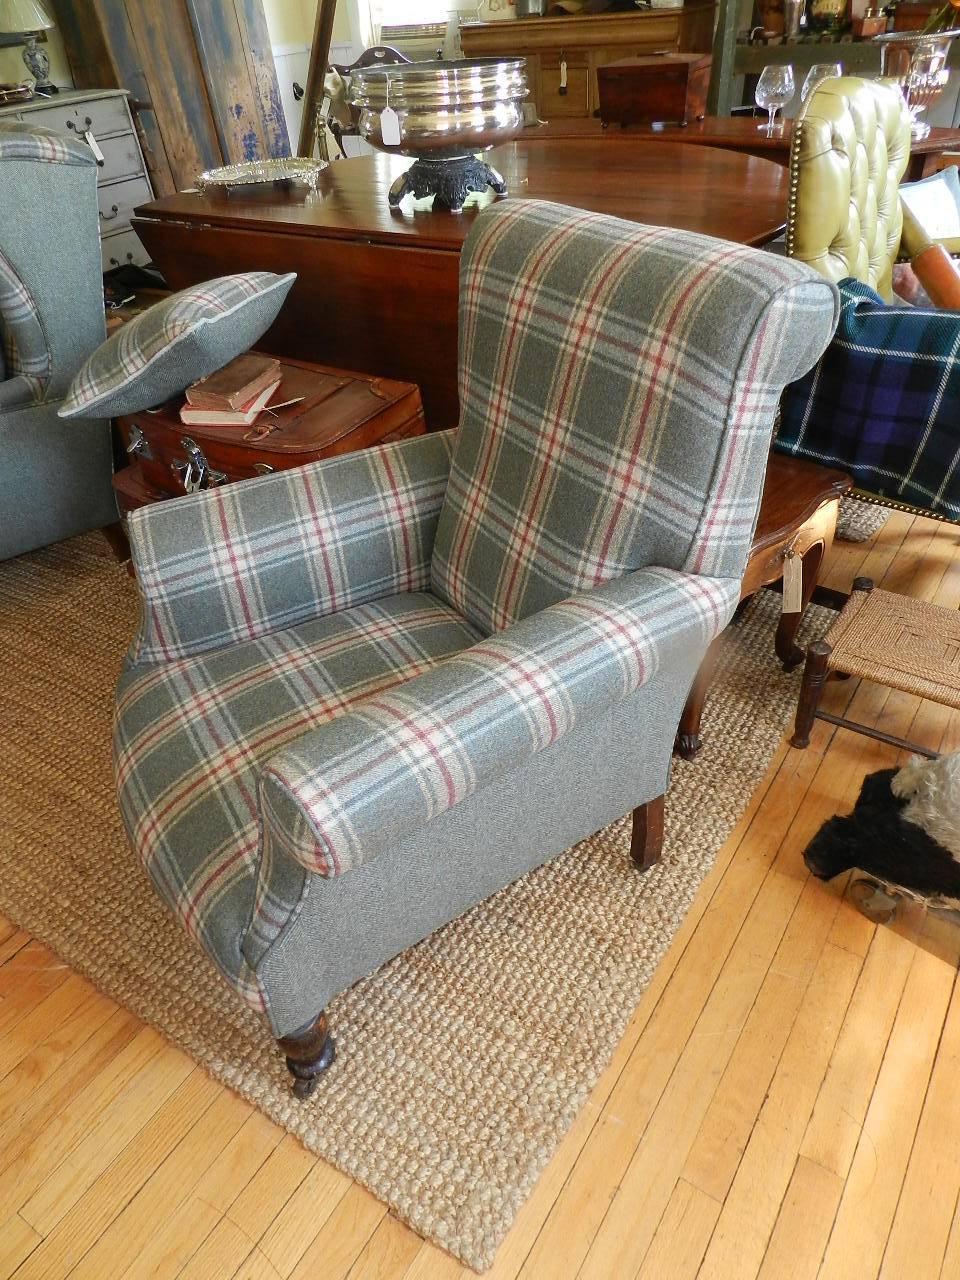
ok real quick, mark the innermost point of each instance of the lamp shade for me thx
(23, 16)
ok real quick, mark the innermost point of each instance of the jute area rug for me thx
(464, 1061)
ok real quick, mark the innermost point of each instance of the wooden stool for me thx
(895, 640)
(798, 515)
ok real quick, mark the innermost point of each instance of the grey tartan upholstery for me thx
(618, 386)
(54, 477)
(307, 733)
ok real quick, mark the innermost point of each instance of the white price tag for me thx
(390, 127)
(792, 583)
(94, 147)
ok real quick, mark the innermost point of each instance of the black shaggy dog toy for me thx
(904, 830)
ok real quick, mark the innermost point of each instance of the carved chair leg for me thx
(646, 843)
(687, 742)
(814, 678)
(308, 1055)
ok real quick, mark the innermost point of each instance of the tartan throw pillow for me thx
(618, 388)
(884, 402)
(185, 337)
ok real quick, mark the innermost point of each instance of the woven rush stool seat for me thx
(895, 640)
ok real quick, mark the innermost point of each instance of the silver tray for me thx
(262, 175)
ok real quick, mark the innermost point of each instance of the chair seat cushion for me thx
(884, 402)
(190, 737)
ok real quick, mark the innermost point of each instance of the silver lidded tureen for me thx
(442, 113)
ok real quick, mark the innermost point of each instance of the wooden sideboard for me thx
(585, 43)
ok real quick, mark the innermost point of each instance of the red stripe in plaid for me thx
(236, 563)
(394, 763)
(191, 737)
(602, 397)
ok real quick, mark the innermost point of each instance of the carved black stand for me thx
(448, 181)
(308, 1055)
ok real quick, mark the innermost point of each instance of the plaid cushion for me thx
(173, 343)
(618, 388)
(231, 564)
(884, 402)
(190, 737)
(337, 797)
(26, 355)
(31, 142)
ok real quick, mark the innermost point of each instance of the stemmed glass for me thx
(775, 88)
(819, 71)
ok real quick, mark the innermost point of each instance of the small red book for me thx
(236, 385)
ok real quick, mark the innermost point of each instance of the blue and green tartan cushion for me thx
(185, 337)
(884, 402)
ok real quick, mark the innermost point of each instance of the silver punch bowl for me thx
(446, 113)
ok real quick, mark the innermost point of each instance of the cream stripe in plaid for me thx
(192, 735)
(25, 350)
(601, 402)
(396, 761)
(235, 563)
(21, 141)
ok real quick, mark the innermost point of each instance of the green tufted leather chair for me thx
(883, 403)
(851, 144)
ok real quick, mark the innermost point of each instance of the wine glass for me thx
(775, 88)
(819, 71)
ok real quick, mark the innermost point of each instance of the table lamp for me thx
(28, 18)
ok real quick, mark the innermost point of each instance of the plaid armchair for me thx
(54, 476)
(368, 693)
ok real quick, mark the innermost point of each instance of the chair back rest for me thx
(618, 386)
(51, 286)
(851, 144)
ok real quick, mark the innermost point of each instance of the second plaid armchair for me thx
(368, 693)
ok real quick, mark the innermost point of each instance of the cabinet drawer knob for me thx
(109, 217)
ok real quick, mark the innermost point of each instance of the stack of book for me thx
(233, 396)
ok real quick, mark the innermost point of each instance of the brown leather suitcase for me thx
(338, 412)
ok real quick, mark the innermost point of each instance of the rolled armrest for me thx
(353, 787)
(238, 562)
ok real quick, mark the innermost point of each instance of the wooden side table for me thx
(798, 516)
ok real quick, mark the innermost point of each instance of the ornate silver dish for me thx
(445, 112)
(262, 175)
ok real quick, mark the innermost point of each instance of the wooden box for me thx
(671, 88)
(339, 412)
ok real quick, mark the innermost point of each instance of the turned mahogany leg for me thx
(814, 678)
(687, 742)
(787, 649)
(308, 1054)
(647, 841)
(116, 536)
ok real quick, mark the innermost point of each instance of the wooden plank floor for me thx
(783, 1105)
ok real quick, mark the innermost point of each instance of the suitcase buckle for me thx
(138, 443)
(196, 473)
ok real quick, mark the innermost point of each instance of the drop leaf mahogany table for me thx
(376, 288)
